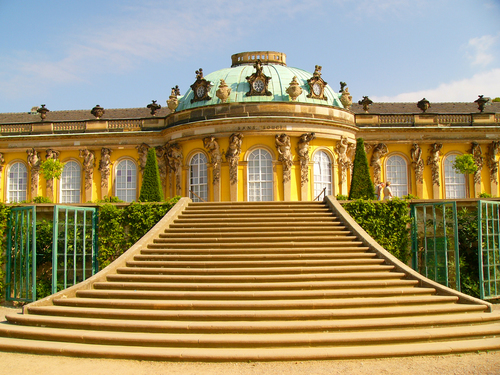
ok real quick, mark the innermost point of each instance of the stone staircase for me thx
(254, 281)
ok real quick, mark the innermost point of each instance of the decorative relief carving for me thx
(34, 163)
(201, 87)
(478, 159)
(88, 166)
(345, 163)
(212, 147)
(223, 91)
(2, 162)
(418, 162)
(294, 90)
(284, 147)
(142, 149)
(104, 166)
(303, 152)
(258, 82)
(174, 157)
(379, 151)
(433, 161)
(317, 85)
(494, 150)
(233, 156)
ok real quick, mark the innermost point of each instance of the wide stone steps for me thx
(252, 281)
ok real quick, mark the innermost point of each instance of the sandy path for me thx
(465, 364)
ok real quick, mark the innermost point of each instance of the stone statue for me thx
(233, 156)
(417, 162)
(34, 163)
(104, 166)
(478, 159)
(342, 149)
(294, 90)
(51, 154)
(303, 152)
(88, 166)
(494, 150)
(142, 149)
(174, 157)
(365, 102)
(379, 151)
(433, 161)
(284, 147)
(161, 157)
(346, 97)
(2, 162)
(212, 147)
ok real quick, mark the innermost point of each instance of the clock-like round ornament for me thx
(258, 85)
(200, 91)
(317, 89)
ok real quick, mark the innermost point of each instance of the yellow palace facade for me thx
(257, 130)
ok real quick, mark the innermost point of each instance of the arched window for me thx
(71, 183)
(17, 183)
(397, 174)
(198, 177)
(322, 173)
(454, 182)
(260, 176)
(126, 180)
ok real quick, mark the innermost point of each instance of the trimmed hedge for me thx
(151, 189)
(361, 185)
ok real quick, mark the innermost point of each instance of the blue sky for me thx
(123, 54)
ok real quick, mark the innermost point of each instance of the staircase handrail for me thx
(322, 192)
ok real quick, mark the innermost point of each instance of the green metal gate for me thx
(435, 242)
(21, 255)
(74, 251)
(489, 248)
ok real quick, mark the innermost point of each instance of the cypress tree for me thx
(151, 190)
(361, 184)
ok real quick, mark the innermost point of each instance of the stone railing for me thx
(497, 118)
(396, 119)
(125, 124)
(69, 126)
(455, 119)
(15, 128)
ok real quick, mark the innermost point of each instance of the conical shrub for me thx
(151, 190)
(361, 184)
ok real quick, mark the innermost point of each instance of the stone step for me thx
(331, 237)
(103, 292)
(258, 264)
(260, 245)
(253, 257)
(261, 340)
(207, 224)
(298, 304)
(275, 286)
(165, 249)
(409, 312)
(240, 234)
(189, 231)
(263, 326)
(247, 354)
(224, 275)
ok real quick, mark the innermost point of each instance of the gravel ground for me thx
(465, 364)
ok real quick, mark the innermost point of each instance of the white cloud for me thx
(466, 90)
(480, 50)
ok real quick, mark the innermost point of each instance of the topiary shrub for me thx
(151, 190)
(361, 184)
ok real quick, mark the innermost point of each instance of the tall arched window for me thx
(17, 183)
(397, 174)
(260, 176)
(454, 182)
(322, 173)
(198, 177)
(71, 183)
(126, 180)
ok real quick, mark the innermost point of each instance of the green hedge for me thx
(387, 222)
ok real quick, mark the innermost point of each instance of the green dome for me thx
(281, 76)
